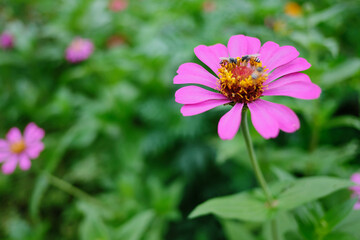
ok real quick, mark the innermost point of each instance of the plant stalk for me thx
(258, 173)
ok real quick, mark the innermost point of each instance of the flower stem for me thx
(254, 162)
(258, 173)
(72, 190)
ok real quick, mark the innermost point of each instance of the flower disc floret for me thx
(240, 82)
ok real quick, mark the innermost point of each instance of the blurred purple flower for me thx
(79, 50)
(356, 189)
(18, 149)
(6, 40)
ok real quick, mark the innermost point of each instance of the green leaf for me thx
(93, 228)
(244, 206)
(340, 73)
(344, 121)
(37, 194)
(135, 228)
(234, 229)
(338, 213)
(309, 189)
(340, 236)
(351, 224)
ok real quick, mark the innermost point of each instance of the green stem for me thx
(254, 162)
(72, 190)
(258, 173)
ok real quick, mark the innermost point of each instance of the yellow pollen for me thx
(242, 81)
(18, 147)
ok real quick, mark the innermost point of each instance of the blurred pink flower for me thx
(16, 149)
(79, 50)
(118, 5)
(6, 40)
(356, 189)
(241, 80)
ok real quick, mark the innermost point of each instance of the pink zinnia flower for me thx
(6, 40)
(118, 5)
(18, 149)
(79, 50)
(252, 71)
(356, 189)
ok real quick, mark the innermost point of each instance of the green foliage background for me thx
(114, 130)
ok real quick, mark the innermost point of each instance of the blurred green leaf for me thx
(340, 73)
(136, 227)
(344, 121)
(309, 189)
(244, 206)
(234, 229)
(338, 213)
(340, 236)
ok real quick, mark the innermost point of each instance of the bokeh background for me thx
(114, 131)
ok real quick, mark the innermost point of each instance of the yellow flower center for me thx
(18, 147)
(241, 79)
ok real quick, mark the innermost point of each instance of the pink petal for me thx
(267, 51)
(14, 135)
(194, 94)
(296, 65)
(302, 90)
(285, 117)
(4, 150)
(357, 205)
(210, 55)
(33, 133)
(9, 166)
(356, 178)
(197, 108)
(229, 123)
(264, 122)
(194, 73)
(253, 45)
(293, 77)
(237, 46)
(280, 57)
(24, 162)
(34, 150)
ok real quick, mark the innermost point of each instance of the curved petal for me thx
(34, 150)
(302, 90)
(253, 45)
(24, 162)
(210, 55)
(296, 65)
(240, 45)
(4, 150)
(229, 123)
(9, 166)
(193, 79)
(197, 108)
(194, 94)
(263, 122)
(14, 135)
(267, 51)
(357, 205)
(285, 117)
(356, 178)
(33, 133)
(281, 56)
(293, 77)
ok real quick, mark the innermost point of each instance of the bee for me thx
(228, 59)
(257, 72)
(247, 58)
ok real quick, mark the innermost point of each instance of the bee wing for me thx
(253, 55)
